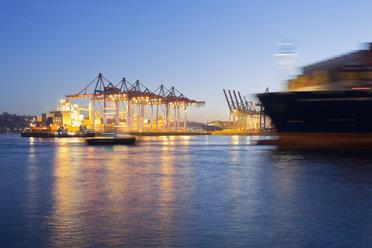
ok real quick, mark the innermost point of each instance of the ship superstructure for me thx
(346, 72)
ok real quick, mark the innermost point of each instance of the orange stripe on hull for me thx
(322, 140)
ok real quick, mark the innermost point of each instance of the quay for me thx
(170, 133)
(232, 132)
(47, 134)
(134, 133)
(27, 134)
(153, 133)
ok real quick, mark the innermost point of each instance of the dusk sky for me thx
(49, 49)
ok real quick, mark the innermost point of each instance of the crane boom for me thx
(227, 100)
(236, 99)
(232, 100)
(241, 102)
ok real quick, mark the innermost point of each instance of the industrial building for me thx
(67, 115)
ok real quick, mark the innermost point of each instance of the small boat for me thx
(61, 133)
(112, 139)
(83, 132)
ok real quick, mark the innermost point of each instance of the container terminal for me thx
(134, 109)
(121, 107)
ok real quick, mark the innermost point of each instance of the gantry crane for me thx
(137, 100)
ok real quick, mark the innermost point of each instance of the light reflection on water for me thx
(181, 191)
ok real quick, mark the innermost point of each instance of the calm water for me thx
(195, 191)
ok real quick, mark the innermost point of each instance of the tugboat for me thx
(112, 139)
(330, 104)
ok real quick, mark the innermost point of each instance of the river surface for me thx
(194, 191)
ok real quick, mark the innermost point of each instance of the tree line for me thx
(14, 123)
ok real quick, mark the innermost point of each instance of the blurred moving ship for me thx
(329, 104)
(112, 139)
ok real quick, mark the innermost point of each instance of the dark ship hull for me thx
(320, 111)
(320, 119)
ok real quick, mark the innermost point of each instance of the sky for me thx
(49, 49)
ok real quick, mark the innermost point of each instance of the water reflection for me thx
(184, 191)
(323, 188)
(32, 201)
(132, 190)
(66, 227)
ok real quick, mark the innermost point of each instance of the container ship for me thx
(329, 104)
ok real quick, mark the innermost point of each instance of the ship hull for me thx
(319, 111)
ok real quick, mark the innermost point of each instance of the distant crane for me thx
(243, 114)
